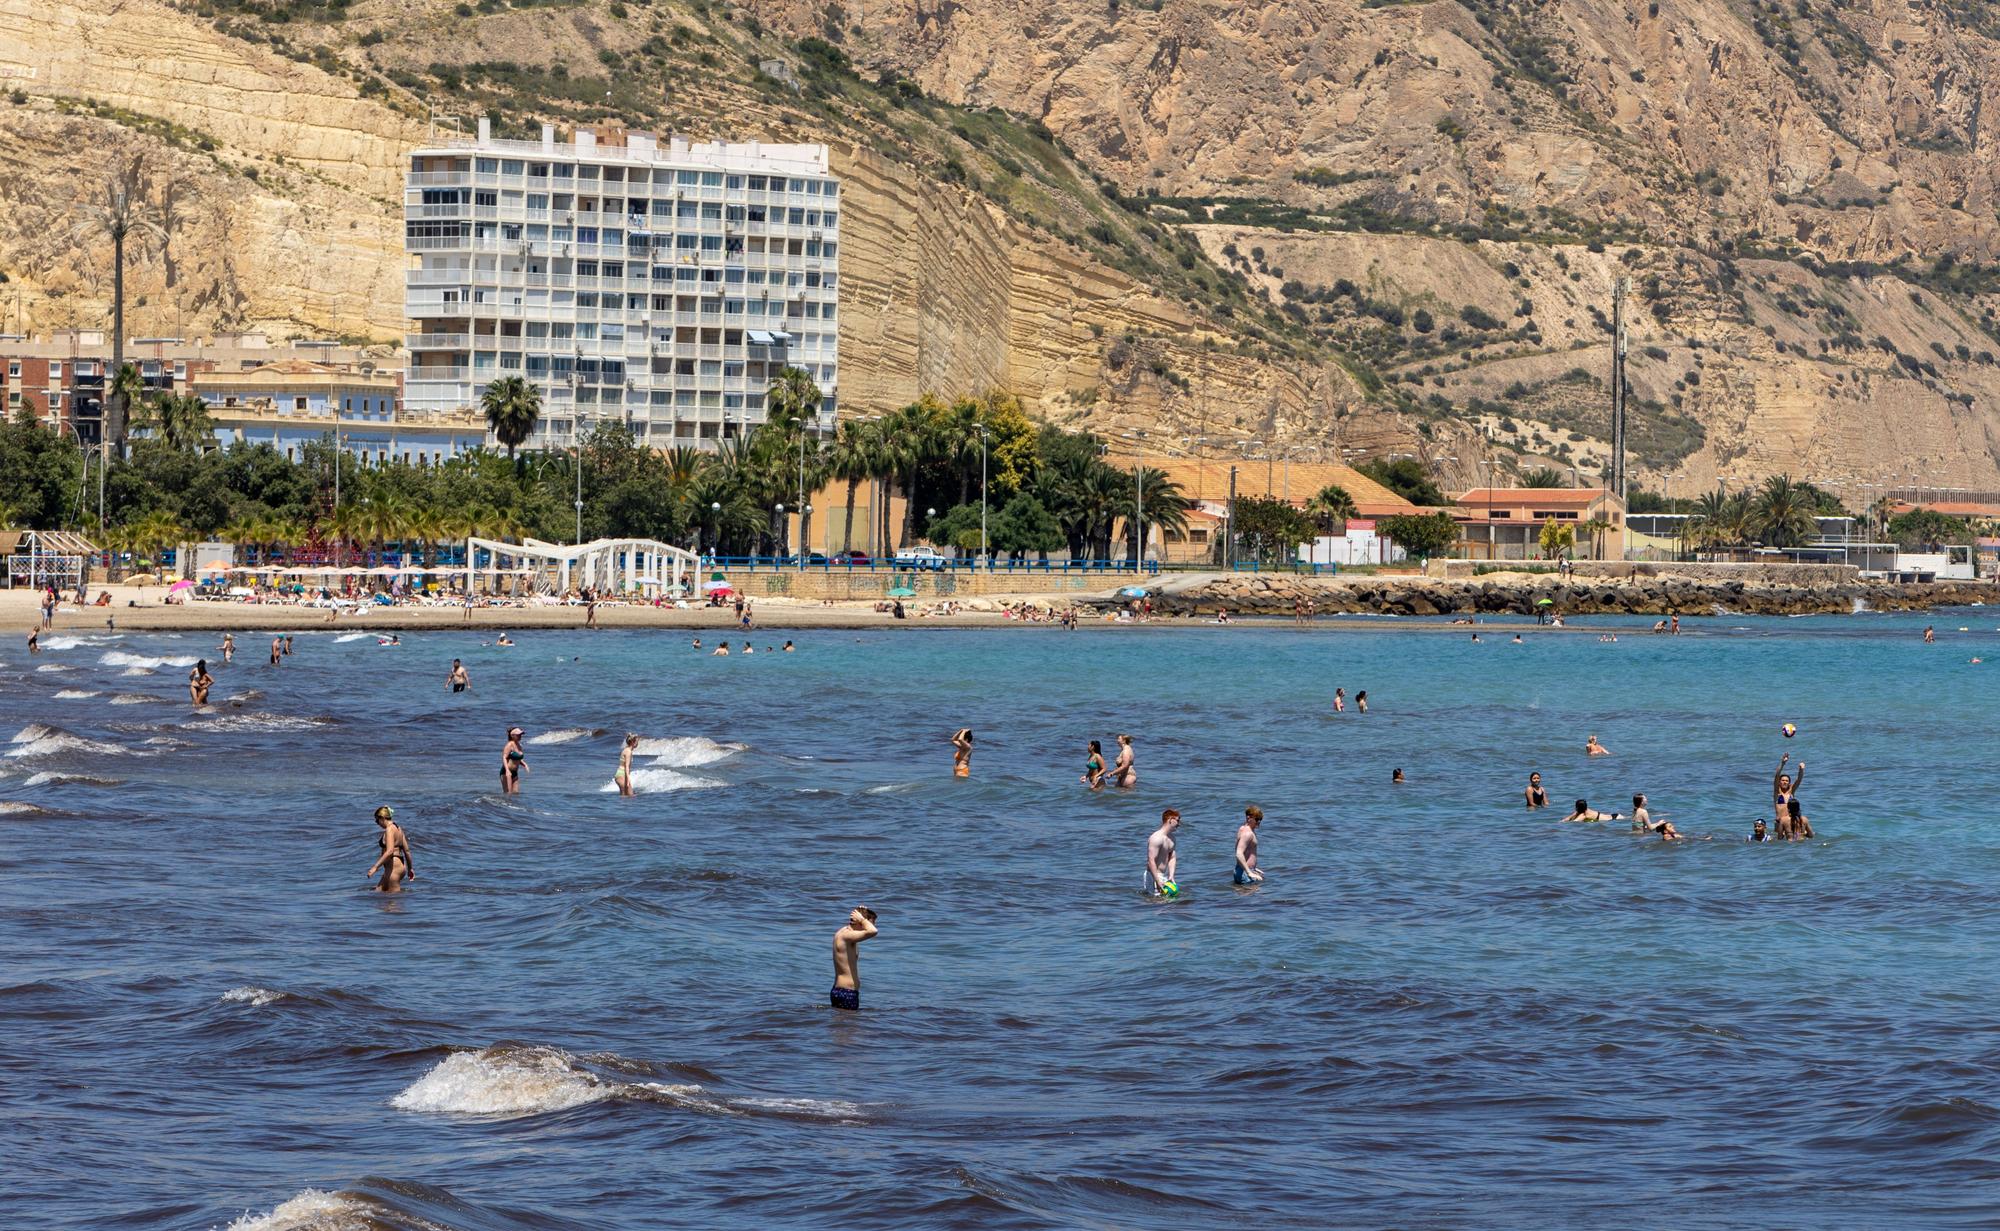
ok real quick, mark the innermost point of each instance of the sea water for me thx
(1438, 1010)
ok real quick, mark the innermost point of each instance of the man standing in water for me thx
(1161, 858)
(846, 992)
(458, 680)
(277, 648)
(1247, 872)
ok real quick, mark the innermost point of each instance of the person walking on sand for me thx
(624, 774)
(961, 753)
(1161, 857)
(513, 763)
(1122, 772)
(846, 993)
(1247, 871)
(394, 862)
(458, 680)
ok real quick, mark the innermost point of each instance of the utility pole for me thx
(1229, 525)
(1139, 501)
(1618, 342)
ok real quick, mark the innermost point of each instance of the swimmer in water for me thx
(1361, 701)
(1801, 827)
(1783, 787)
(1584, 812)
(1757, 832)
(697, 643)
(34, 641)
(1537, 797)
(1669, 834)
(1339, 700)
(228, 648)
(199, 682)
(846, 992)
(504, 639)
(513, 763)
(458, 680)
(748, 648)
(1161, 858)
(394, 862)
(961, 753)
(1396, 779)
(1122, 772)
(1517, 639)
(721, 650)
(1642, 820)
(624, 775)
(1247, 871)
(1592, 747)
(1930, 635)
(1093, 767)
(788, 647)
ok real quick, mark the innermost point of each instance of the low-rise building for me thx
(1505, 523)
(292, 403)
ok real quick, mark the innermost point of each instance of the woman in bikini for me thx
(394, 863)
(1122, 773)
(961, 753)
(624, 775)
(1784, 788)
(1339, 700)
(1093, 768)
(513, 763)
(1537, 797)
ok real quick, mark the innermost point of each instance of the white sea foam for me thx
(258, 996)
(49, 779)
(311, 1210)
(51, 668)
(74, 694)
(119, 658)
(15, 807)
(660, 781)
(685, 751)
(565, 735)
(36, 740)
(503, 1082)
(59, 642)
(259, 722)
(132, 671)
(133, 698)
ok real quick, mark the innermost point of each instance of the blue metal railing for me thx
(837, 564)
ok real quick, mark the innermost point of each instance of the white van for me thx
(920, 557)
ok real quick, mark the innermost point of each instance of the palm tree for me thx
(791, 399)
(1542, 476)
(122, 211)
(512, 406)
(128, 387)
(157, 531)
(181, 420)
(1159, 503)
(1783, 514)
(1331, 507)
(900, 451)
(852, 460)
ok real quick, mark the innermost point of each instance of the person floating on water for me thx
(846, 993)
(1247, 872)
(1642, 820)
(961, 753)
(513, 763)
(458, 680)
(1161, 858)
(1536, 796)
(1122, 772)
(1592, 747)
(1668, 833)
(394, 863)
(1584, 812)
(624, 775)
(503, 639)
(1093, 767)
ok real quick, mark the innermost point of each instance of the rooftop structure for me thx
(292, 403)
(662, 286)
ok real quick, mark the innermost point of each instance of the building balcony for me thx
(437, 341)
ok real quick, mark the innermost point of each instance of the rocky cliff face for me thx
(1317, 224)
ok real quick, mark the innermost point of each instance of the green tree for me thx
(1268, 528)
(1925, 529)
(1331, 506)
(1406, 477)
(179, 420)
(41, 473)
(1422, 535)
(1542, 476)
(1557, 540)
(512, 406)
(1025, 525)
(1783, 512)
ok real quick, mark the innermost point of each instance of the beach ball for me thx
(1789, 730)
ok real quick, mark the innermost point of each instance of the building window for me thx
(298, 403)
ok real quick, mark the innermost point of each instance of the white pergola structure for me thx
(606, 566)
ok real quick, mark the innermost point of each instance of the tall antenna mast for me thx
(1618, 343)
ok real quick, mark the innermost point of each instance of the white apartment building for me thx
(659, 286)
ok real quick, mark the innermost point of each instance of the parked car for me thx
(920, 558)
(853, 556)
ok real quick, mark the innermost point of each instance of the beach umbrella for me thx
(1545, 602)
(902, 592)
(717, 577)
(182, 584)
(142, 579)
(1132, 592)
(715, 587)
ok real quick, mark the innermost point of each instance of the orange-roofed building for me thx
(1505, 523)
(1207, 484)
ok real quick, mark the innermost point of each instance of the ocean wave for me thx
(119, 658)
(136, 671)
(51, 779)
(135, 698)
(51, 667)
(660, 781)
(16, 807)
(685, 751)
(510, 1082)
(256, 996)
(260, 722)
(351, 637)
(37, 740)
(311, 1210)
(60, 642)
(564, 735)
(74, 694)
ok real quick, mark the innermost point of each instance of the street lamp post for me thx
(714, 528)
(1139, 502)
(783, 530)
(579, 492)
(804, 508)
(985, 544)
